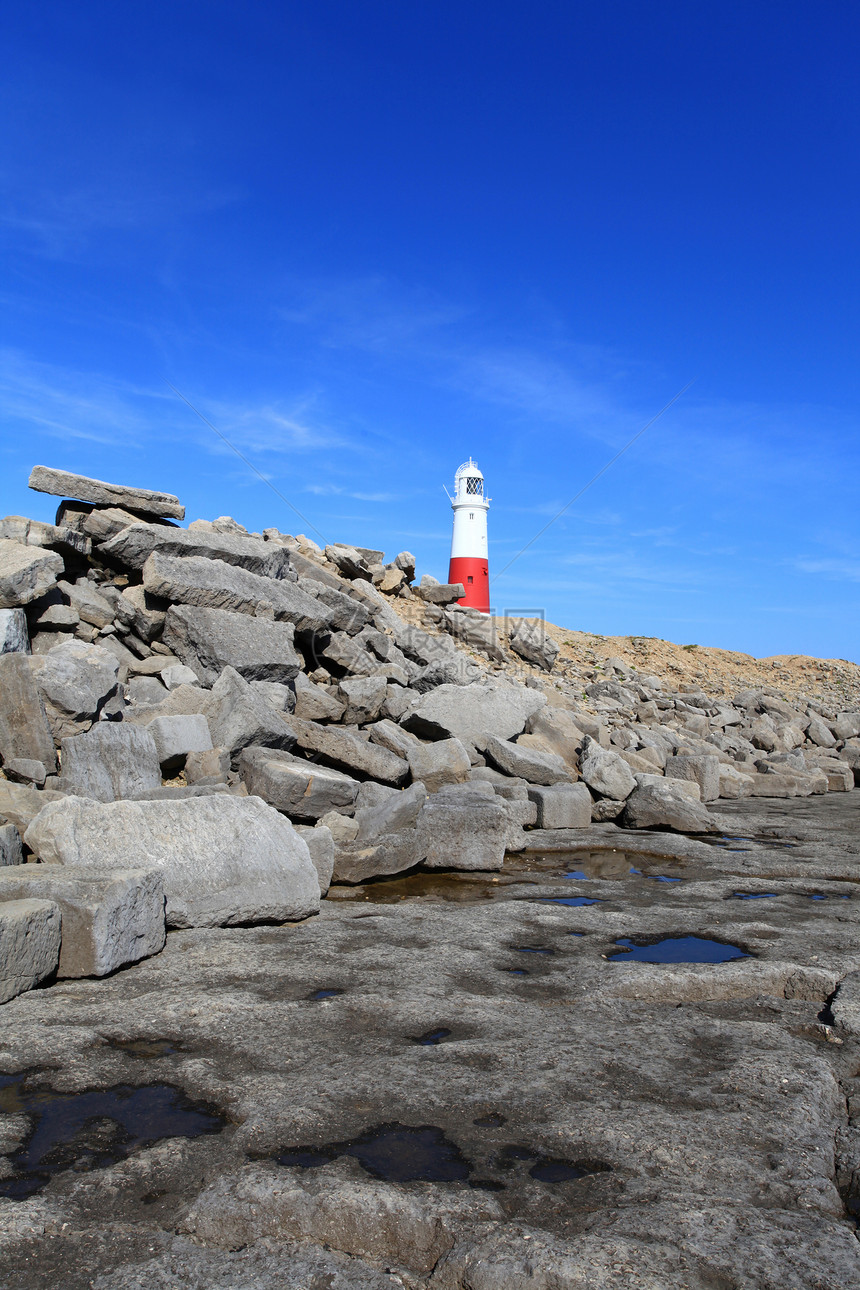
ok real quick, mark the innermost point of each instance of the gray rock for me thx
(177, 674)
(24, 729)
(20, 803)
(372, 794)
(208, 640)
(561, 806)
(342, 828)
(406, 561)
(29, 944)
(11, 852)
(26, 573)
(238, 716)
(607, 773)
(527, 763)
(789, 784)
(214, 584)
(176, 737)
(34, 533)
(349, 560)
(225, 860)
(605, 810)
(434, 765)
(685, 787)
(363, 697)
(521, 813)
(531, 641)
(558, 731)
(348, 654)
(209, 767)
(398, 811)
(56, 618)
(106, 522)
(734, 784)
(112, 760)
(44, 479)
(846, 725)
(76, 682)
(704, 771)
(819, 733)
(475, 631)
(141, 612)
(463, 828)
(281, 697)
(346, 613)
(314, 702)
(663, 807)
(133, 547)
(299, 788)
(320, 844)
(349, 752)
(86, 601)
(454, 669)
(466, 712)
(108, 919)
(14, 637)
(440, 593)
(148, 689)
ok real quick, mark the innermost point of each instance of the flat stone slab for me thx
(108, 919)
(215, 584)
(111, 761)
(224, 859)
(29, 944)
(26, 573)
(134, 545)
(60, 483)
(299, 788)
(208, 640)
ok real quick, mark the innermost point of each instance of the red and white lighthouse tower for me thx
(469, 543)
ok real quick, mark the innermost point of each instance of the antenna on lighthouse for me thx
(469, 541)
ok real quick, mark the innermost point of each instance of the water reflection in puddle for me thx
(549, 1169)
(85, 1131)
(148, 1049)
(432, 1037)
(678, 949)
(393, 1152)
(570, 900)
(318, 995)
(753, 895)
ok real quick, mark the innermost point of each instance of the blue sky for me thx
(369, 239)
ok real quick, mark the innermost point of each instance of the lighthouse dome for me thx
(469, 480)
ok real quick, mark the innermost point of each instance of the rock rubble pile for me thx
(205, 727)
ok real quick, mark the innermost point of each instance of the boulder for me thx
(846, 725)
(110, 761)
(26, 573)
(238, 716)
(20, 803)
(76, 681)
(349, 560)
(527, 763)
(475, 631)
(462, 827)
(11, 852)
(320, 844)
(561, 806)
(734, 784)
(819, 733)
(342, 653)
(24, 729)
(133, 546)
(662, 806)
(61, 538)
(396, 812)
(389, 735)
(685, 787)
(29, 944)
(60, 483)
(346, 613)
(529, 639)
(177, 674)
(389, 580)
(559, 732)
(437, 764)
(473, 711)
(789, 783)
(209, 767)
(141, 612)
(341, 827)
(363, 697)
(349, 752)
(299, 788)
(91, 607)
(704, 771)
(108, 919)
(208, 640)
(224, 860)
(606, 772)
(214, 584)
(406, 562)
(440, 593)
(176, 737)
(14, 637)
(314, 702)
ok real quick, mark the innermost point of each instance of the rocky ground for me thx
(351, 939)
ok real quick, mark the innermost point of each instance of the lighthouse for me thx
(469, 542)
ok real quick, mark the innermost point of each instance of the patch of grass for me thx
(689, 647)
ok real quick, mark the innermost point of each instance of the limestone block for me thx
(703, 770)
(606, 772)
(29, 944)
(24, 729)
(214, 584)
(208, 640)
(561, 806)
(14, 637)
(112, 760)
(350, 752)
(465, 712)
(462, 828)
(11, 852)
(26, 573)
(175, 737)
(134, 545)
(662, 806)
(299, 788)
(320, 844)
(108, 919)
(224, 859)
(363, 697)
(60, 483)
(531, 641)
(75, 680)
(314, 702)
(527, 763)
(435, 765)
(683, 787)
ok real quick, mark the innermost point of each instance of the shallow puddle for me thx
(148, 1049)
(92, 1130)
(393, 1152)
(549, 1169)
(432, 1037)
(576, 901)
(678, 949)
(753, 895)
(318, 995)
